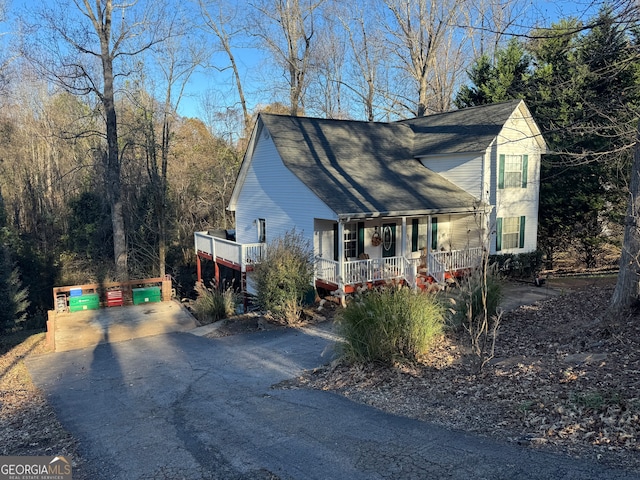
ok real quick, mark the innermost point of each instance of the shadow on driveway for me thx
(178, 406)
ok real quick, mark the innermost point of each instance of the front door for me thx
(388, 239)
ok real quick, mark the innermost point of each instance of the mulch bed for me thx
(563, 378)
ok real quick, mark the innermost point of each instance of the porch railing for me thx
(327, 270)
(436, 268)
(365, 271)
(355, 271)
(230, 251)
(374, 269)
(458, 259)
(377, 269)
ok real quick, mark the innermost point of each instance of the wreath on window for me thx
(375, 238)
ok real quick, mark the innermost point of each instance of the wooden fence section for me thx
(126, 288)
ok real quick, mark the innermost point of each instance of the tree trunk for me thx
(628, 287)
(112, 166)
(119, 241)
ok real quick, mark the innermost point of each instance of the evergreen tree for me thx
(583, 91)
(14, 299)
(507, 78)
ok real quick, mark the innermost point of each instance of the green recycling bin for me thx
(88, 301)
(146, 295)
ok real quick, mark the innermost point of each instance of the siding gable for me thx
(461, 170)
(519, 136)
(269, 190)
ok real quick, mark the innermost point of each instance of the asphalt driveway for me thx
(178, 406)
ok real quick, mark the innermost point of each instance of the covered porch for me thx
(416, 250)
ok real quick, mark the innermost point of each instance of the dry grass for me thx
(28, 424)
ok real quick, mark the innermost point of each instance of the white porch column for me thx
(340, 254)
(429, 238)
(403, 243)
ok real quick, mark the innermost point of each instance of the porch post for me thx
(198, 268)
(340, 254)
(429, 242)
(403, 244)
(429, 235)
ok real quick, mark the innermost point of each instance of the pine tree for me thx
(14, 299)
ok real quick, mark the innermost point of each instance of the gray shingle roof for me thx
(367, 168)
(466, 130)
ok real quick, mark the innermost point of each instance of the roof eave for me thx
(451, 154)
(478, 208)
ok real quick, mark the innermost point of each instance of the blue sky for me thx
(544, 12)
(252, 62)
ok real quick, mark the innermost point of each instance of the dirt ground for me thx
(565, 377)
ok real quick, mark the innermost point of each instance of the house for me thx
(413, 200)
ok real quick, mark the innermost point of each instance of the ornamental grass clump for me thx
(213, 304)
(394, 324)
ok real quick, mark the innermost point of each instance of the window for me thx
(350, 241)
(418, 234)
(512, 171)
(510, 233)
(262, 230)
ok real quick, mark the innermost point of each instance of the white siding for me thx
(516, 138)
(462, 170)
(272, 192)
(458, 232)
(443, 232)
(323, 241)
(465, 231)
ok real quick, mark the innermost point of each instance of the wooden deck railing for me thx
(354, 271)
(230, 251)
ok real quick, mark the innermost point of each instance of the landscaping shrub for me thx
(519, 265)
(476, 310)
(213, 304)
(390, 324)
(284, 278)
(468, 299)
(14, 298)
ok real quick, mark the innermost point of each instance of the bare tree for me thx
(220, 19)
(177, 60)
(491, 22)
(84, 48)
(45, 160)
(289, 35)
(367, 55)
(423, 33)
(627, 289)
(325, 93)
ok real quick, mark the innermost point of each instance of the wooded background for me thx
(103, 175)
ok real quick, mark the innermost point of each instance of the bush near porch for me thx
(518, 265)
(390, 324)
(283, 279)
